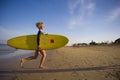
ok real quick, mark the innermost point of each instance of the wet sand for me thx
(68, 63)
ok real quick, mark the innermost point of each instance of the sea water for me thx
(9, 55)
(9, 52)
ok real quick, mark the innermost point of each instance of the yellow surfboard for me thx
(29, 42)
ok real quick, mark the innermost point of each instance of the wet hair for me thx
(39, 23)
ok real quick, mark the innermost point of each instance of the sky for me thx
(80, 20)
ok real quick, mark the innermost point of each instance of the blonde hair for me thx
(39, 23)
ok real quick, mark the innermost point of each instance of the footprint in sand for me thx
(74, 74)
(76, 66)
(16, 78)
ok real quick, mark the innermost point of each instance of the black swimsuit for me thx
(38, 37)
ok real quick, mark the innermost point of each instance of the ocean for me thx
(9, 55)
(5, 49)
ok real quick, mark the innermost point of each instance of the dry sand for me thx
(68, 63)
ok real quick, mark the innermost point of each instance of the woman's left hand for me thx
(39, 47)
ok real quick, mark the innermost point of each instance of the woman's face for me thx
(41, 26)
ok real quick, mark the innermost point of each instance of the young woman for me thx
(40, 26)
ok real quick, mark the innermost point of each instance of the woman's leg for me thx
(29, 58)
(43, 52)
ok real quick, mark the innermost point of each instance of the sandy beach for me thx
(67, 63)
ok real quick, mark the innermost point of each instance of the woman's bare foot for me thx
(42, 67)
(21, 62)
